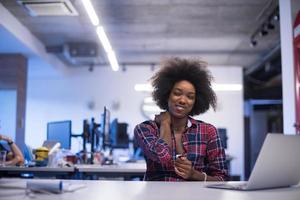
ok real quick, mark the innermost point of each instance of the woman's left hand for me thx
(5, 138)
(184, 168)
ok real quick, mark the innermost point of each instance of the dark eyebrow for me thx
(180, 90)
(177, 89)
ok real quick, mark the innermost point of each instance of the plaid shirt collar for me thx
(192, 123)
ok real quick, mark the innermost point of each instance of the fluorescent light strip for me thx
(143, 88)
(148, 100)
(216, 87)
(103, 39)
(91, 12)
(101, 34)
(113, 60)
(151, 108)
(227, 87)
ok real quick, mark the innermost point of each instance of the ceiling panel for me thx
(144, 31)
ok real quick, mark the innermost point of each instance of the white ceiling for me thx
(144, 31)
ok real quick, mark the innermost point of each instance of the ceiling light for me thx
(107, 47)
(276, 17)
(143, 88)
(113, 60)
(103, 39)
(269, 23)
(151, 108)
(253, 43)
(101, 34)
(227, 87)
(263, 32)
(270, 26)
(148, 100)
(91, 12)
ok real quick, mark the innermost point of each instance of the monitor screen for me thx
(119, 135)
(105, 127)
(223, 136)
(60, 131)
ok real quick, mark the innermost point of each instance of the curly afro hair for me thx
(176, 69)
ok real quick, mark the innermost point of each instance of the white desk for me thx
(140, 190)
(36, 169)
(40, 171)
(125, 170)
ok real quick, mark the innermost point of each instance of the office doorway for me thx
(261, 117)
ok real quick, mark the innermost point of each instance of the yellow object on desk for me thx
(41, 156)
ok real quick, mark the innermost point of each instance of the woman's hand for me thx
(164, 121)
(164, 118)
(184, 167)
(5, 138)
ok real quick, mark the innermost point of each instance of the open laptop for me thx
(50, 144)
(277, 165)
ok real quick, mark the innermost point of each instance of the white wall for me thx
(52, 98)
(56, 98)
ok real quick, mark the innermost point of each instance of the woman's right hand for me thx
(164, 121)
(163, 118)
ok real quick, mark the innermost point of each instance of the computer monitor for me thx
(105, 128)
(60, 131)
(119, 135)
(223, 136)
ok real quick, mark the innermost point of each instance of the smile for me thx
(180, 108)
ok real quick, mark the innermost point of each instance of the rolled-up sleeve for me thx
(153, 147)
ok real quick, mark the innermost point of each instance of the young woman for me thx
(176, 146)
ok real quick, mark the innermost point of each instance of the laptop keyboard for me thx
(233, 186)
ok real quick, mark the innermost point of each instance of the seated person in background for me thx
(14, 156)
(176, 146)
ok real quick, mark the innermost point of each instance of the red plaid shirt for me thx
(201, 144)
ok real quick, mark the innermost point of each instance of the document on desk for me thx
(52, 186)
(12, 184)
